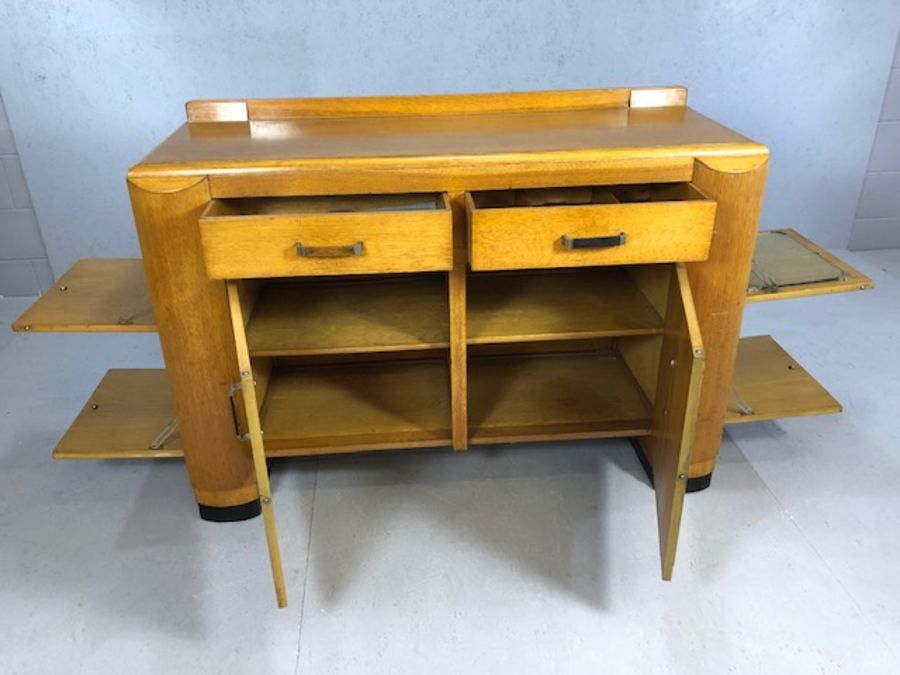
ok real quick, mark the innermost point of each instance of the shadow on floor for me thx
(541, 508)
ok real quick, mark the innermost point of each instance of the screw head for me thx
(245, 373)
(94, 406)
(63, 288)
(682, 476)
(672, 363)
(266, 500)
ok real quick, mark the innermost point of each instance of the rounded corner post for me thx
(719, 286)
(195, 335)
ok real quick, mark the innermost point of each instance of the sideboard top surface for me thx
(228, 136)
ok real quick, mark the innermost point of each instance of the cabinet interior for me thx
(533, 339)
(556, 354)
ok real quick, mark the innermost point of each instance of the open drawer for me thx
(788, 265)
(312, 236)
(584, 226)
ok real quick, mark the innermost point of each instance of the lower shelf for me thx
(769, 384)
(127, 412)
(378, 406)
(361, 406)
(536, 397)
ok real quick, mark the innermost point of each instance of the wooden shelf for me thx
(96, 295)
(311, 410)
(557, 305)
(788, 265)
(537, 397)
(769, 384)
(375, 315)
(363, 406)
(306, 411)
(126, 413)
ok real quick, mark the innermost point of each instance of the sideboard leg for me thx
(197, 343)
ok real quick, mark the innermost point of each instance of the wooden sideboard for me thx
(345, 275)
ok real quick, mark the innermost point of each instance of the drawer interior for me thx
(271, 206)
(587, 195)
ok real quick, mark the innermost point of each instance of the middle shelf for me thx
(557, 305)
(410, 312)
(343, 316)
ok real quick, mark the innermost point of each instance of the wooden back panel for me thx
(444, 104)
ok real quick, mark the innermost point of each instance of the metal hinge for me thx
(234, 416)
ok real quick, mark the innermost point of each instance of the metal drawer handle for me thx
(347, 251)
(593, 242)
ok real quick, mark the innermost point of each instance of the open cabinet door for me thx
(254, 436)
(668, 447)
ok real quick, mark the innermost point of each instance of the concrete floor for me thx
(539, 558)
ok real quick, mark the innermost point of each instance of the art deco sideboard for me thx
(345, 275)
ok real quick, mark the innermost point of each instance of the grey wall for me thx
(24, 268)
(878, 214)
(90, 87)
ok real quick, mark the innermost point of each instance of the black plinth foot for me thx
(693, 484)
(230, 514)
(699, 483)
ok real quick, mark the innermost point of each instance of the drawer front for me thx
(299, 237)
(674, 224)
